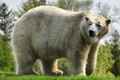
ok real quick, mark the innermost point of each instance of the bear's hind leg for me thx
(24, 57)
(24, 64)
(56, 69)
(47, 66)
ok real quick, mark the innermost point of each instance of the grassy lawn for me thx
(8, 76)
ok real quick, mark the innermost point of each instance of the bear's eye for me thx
(98, 26)
(90, 23)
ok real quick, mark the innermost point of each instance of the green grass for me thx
(8, 76)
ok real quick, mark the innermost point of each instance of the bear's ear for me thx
(80, 15)
(86, 18)
(77, 16)
(108, 22)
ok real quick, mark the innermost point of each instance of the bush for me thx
(6, 59)
(104, 61)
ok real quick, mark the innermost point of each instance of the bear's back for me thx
(51, 10)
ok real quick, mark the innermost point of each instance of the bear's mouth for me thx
(92, 33)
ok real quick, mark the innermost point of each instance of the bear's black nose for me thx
(91, 33)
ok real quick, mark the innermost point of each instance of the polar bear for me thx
(48, 33)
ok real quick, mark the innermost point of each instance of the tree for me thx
(74, 5)
(29, 5)
(6, 20)
(68, 4)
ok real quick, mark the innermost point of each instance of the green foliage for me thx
(116, 53)
(104, 62)
(6, 59)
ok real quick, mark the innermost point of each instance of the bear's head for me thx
(93, 27)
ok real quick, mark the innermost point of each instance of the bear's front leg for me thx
(92, 58)
(78, 63)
